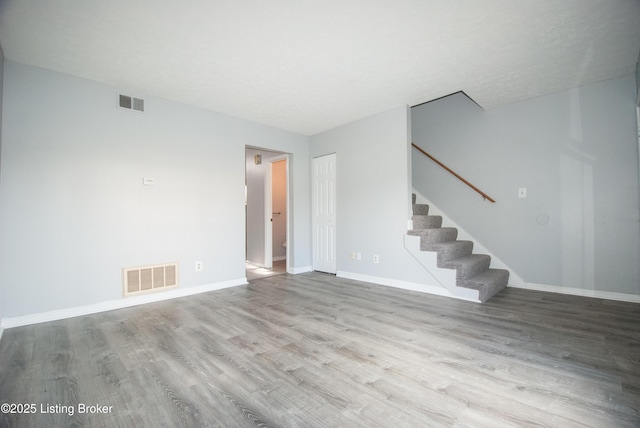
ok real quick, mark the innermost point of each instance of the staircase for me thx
(472, 271)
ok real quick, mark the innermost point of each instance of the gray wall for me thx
(1, 116)
(577, 154)
(255, 176)
(638, 82)
(373, 195)
(73, 208)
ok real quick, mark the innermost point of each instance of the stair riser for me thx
(443, 234)
(500, 279)
(487, 291)
(450, 250)
(469, 268)
(426, 221)
(433, 236)
(488, 283)
(420, 209)
(462, 274)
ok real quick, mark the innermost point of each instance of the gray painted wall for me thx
(1, 103)
(73, 208)
(638, 82)
(576, 152)
(255, 175)
(372, 194)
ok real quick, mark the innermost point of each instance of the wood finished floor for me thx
(254, 272)
(313, 350)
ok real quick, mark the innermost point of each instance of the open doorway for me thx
(267, 212)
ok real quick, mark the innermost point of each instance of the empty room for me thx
(320, 213)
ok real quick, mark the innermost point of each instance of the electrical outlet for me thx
(358, 256)
(198, 266)
(376, 258)
(353, 256)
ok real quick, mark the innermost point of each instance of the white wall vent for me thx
(131, 103)
(147, 279)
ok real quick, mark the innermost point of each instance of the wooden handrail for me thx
(484, 195)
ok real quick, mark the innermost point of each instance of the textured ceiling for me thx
(310, 65)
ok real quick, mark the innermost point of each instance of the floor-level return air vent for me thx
(147, 279)
(131, 103)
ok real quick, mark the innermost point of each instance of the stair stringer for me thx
(514, 279)
(446, 277)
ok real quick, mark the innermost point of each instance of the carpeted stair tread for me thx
(426, 221)
(468, 266)
(487, 276)
(420, 209)
(432, 236)
(449, 250)
(472, 270)
(487, 282)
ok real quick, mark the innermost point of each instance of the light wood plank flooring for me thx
(256, 272)
(314, 350)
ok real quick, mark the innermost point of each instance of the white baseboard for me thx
(607, 295)
(441, 291)
(295, 270)
(116, 304)
(279, 258)
(182, 292)
(405, 285)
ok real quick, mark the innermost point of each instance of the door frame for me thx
(268, 211)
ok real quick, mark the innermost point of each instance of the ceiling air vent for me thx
(131, 103)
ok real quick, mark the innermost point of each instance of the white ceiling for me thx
(311, 65)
